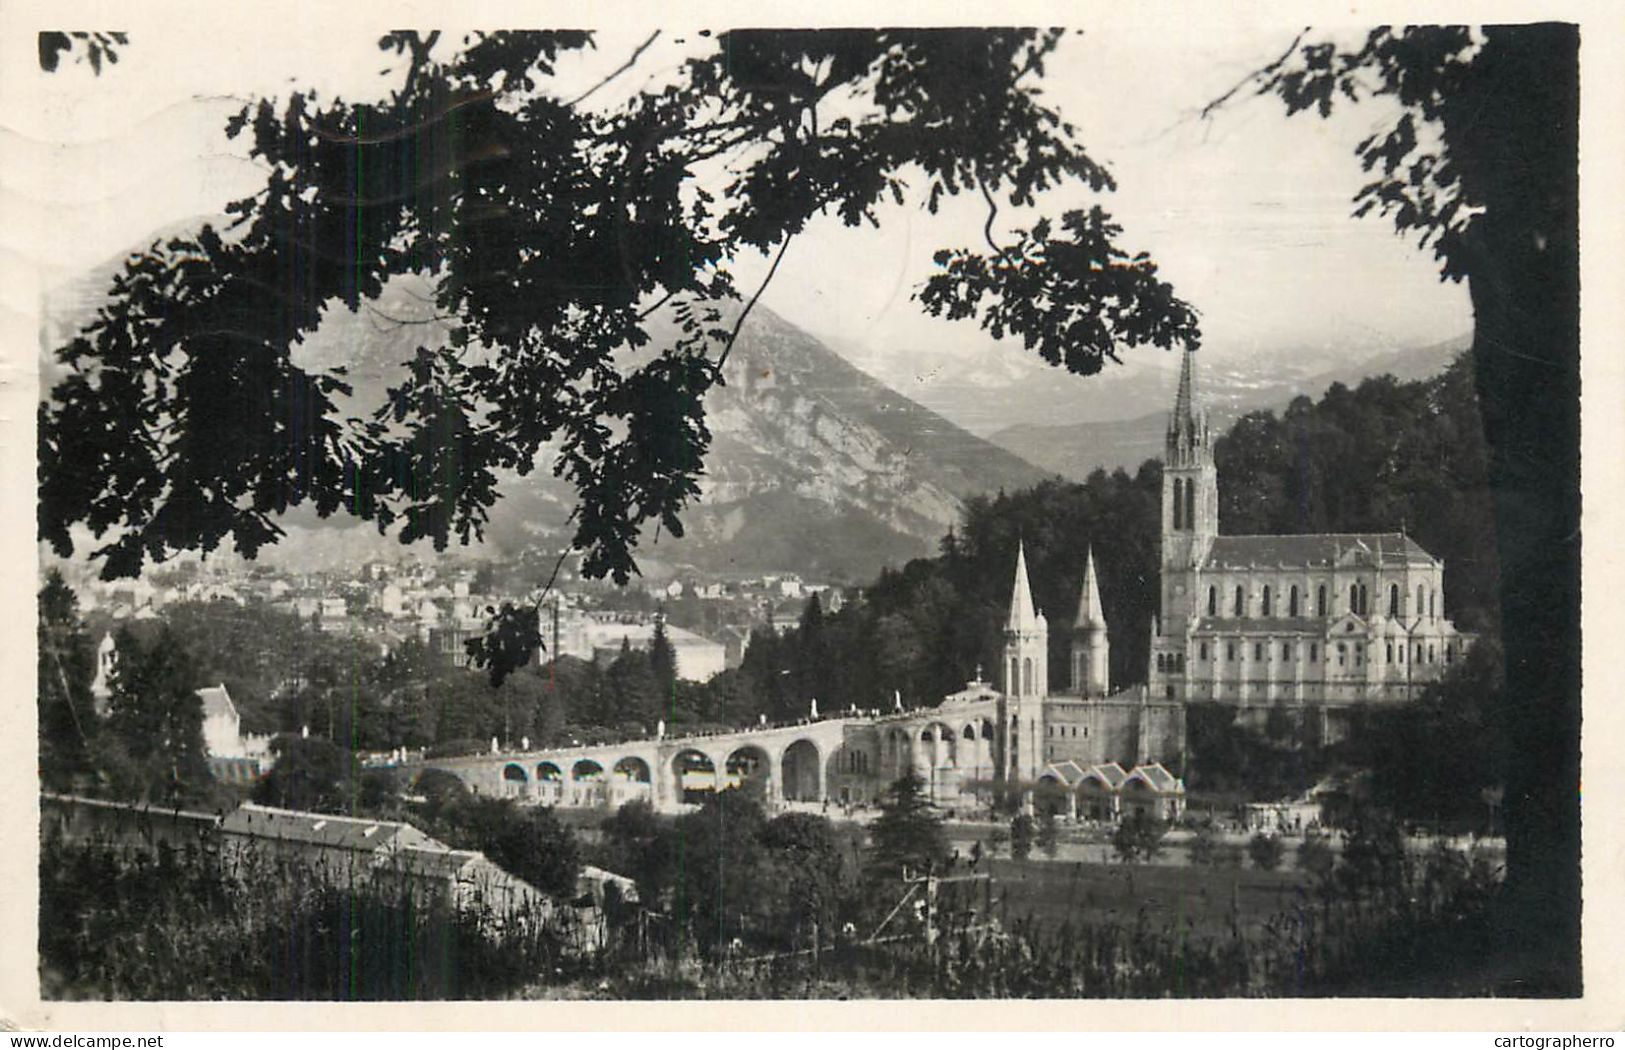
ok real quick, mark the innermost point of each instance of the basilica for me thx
(1309, 625)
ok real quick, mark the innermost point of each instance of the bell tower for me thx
(1025, 671)
(1026, 640)
(1090, 647)
(1190, 500)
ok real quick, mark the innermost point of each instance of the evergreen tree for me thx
(1021, 836)
(634, 696)
(662, 658)
(908, 834)
(155, 722)
(67, 720)
(1048, 837)
(310, 774)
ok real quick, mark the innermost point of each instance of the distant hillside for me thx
(815, 466)
(1074, 450)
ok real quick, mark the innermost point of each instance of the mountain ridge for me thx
(1074, 450)
(815, 466)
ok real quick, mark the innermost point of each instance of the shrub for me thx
(1266, 851)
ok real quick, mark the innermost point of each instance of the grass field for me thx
(1200, 896)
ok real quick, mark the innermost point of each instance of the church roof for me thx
(1316, 550)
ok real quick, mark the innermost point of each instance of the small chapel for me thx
(1311, 624)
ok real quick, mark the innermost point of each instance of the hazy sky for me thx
(1248, 213)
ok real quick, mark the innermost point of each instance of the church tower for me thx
(1026, 640)
(1026, 675)
(1190, 500)
(1090, 648)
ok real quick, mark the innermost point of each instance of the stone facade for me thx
(1312, 623)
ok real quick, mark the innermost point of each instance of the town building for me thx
(233, 757)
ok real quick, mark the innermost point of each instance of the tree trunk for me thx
(1525, 293)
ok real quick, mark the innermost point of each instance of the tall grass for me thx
(198, 922)
(121, 922)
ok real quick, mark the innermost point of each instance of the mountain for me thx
(1076, 449)
(815, 466)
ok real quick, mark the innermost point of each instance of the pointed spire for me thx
(1185, 400)
(1188, 416)
(1023, 615)
(1089, 610)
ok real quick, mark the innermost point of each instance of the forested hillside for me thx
(1385, 455)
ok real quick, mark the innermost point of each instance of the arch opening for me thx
(696, 776)
(633, 770)
(748, 768)
(801, 772)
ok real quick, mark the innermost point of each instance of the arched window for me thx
(1015, 676)
(1268, 610)
(1342, 654)
(1320, 601)
(1314, 652)
(1190, 503)
(1162, 664)
(1292, 601)
(1258, 650)
(1286, 650)
(1417, 612)
(1201, 651)
(1389, 656)
(1433, 605)
(1230, 651)
(1179, 502)
(1027, 676)
(1393, 600)
(1213, 601)
(1240, 601)
(1430, 654)
(1418, 652)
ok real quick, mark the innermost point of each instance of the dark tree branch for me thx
(1256, 76)
(739, 322)
(624, 66)
(992, 213)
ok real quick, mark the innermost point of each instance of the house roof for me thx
(1154, 776)
(323, 829)
(217, 702)
(1109, 772)
(1066, 771)
(430, 862)
(1315, 551)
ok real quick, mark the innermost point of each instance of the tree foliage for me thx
(153, 744)
(98, 47)
(551, 230)
(908, 834)
(1138, 836)
(67, 716)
